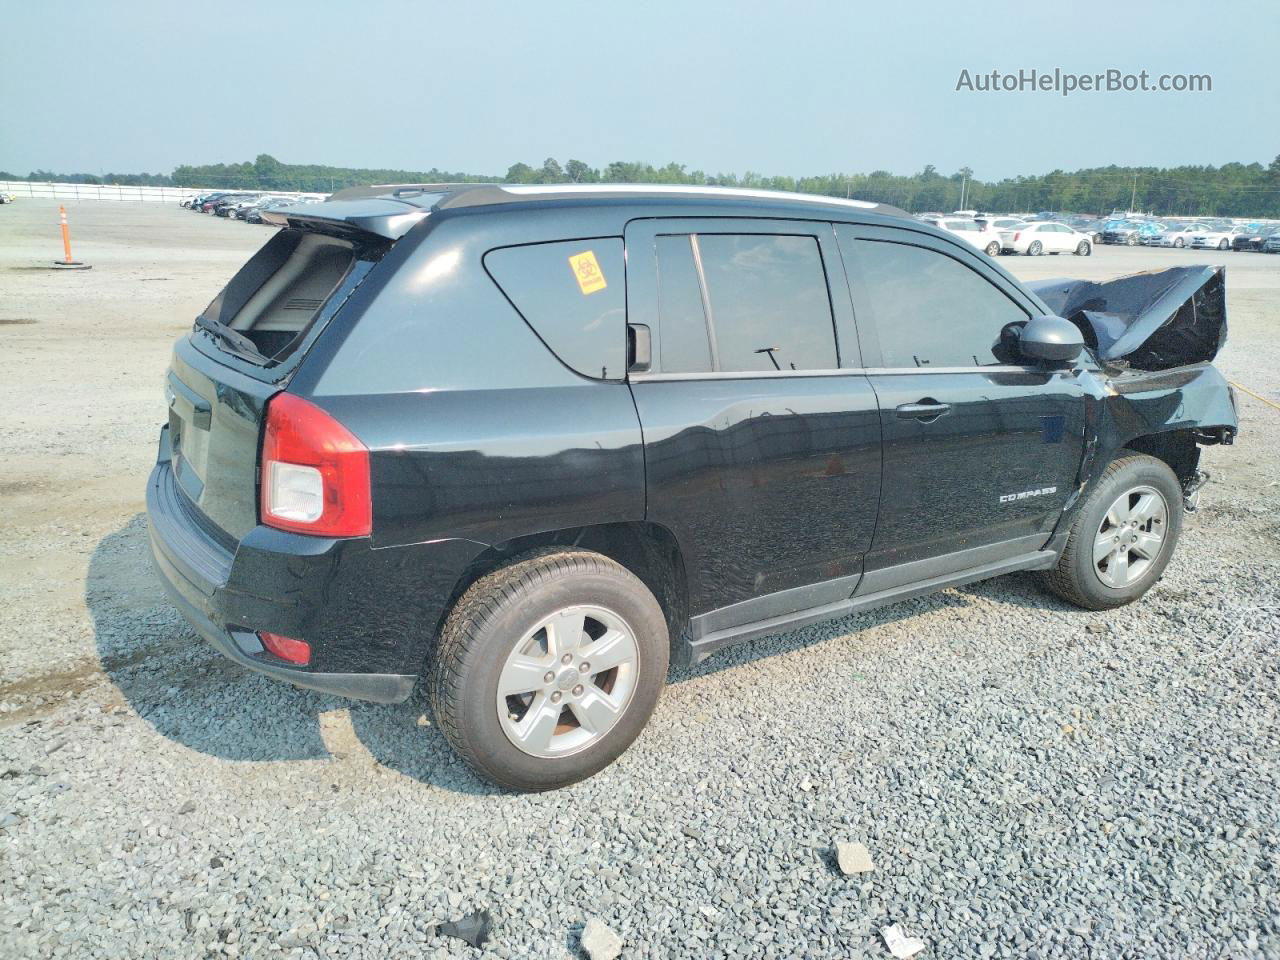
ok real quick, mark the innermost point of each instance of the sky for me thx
(802, 87)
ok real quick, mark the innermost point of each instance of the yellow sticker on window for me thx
(587, 270)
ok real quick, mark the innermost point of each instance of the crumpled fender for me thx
(1124, 406)
(1152, 321)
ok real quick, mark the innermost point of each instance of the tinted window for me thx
(768, 300)
(769, 304)
(683, 342)
(573, 294)
(926, 308)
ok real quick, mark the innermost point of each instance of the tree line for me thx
(1233, 189)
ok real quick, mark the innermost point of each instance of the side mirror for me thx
(1051, 339)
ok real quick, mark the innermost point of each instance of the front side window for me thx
(743, 303)
(927, 309)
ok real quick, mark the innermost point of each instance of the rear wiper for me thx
(235, 343)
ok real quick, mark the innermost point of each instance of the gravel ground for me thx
(1030, 780)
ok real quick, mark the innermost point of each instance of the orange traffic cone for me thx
(66, 263)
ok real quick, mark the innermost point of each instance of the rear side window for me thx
(743, 303)
(573, 295)
(926, 308)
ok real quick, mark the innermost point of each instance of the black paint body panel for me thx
(788, 497)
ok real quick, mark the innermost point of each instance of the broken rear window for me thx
(276, 296)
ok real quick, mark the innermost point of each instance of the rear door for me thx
(1058, 236)
(981, 449)
(762, 436)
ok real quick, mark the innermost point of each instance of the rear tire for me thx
(1222, 244)
(1123, 536)
(554, 612)
(1035, 249)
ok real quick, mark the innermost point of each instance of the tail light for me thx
(1016, 236)
(315, 473)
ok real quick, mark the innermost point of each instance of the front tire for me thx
(1083, 249)
(1123, 536)
(993, 248)
(547, 669)
(1179, 242)
(1222, 244)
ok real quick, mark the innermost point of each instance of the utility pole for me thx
(963, 183)
(1133, 197)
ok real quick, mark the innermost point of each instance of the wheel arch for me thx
(1175, 448)
(648, 550)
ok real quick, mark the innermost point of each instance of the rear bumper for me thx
(370, 615)
(245, 649)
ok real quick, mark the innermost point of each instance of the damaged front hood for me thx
(1154, 320)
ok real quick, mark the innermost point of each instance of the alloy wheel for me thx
(568, 681)
(1130, 537)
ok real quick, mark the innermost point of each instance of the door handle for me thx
(925, 410)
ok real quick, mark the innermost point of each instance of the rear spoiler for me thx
(380, 217)
(1154, 320)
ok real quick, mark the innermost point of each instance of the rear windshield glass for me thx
(573, 295)
(276, 295)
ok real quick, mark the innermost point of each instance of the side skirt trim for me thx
(702, 647)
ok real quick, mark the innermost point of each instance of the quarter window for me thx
(926, 308)
(743, 303)
(573, 295)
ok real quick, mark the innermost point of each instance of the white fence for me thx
(102, 191)
(95, 191)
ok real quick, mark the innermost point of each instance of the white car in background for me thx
(1179, 236)
(1033, 239)
(1002, 224)
(1214, 239)
(971, 231)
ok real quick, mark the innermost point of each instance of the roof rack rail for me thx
(484, 193)
(403, 191)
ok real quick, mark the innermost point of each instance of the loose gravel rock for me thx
(599, 942)
(1035, 780)
(853, 858)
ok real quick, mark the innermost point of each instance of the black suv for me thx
(532, 443)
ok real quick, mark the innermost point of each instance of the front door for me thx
(762, 451)
(981, 450)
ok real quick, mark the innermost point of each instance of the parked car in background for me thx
(8, 197)
(1215, 239)
(241, 210)
(1272, 243)
(536, 476)
(1178, 235)
(1252, 238)
(1046, 236)
(207, 203)
(227, 205)
(253, 213)
(1127, 232)
(1151, 230)
(1000, 224)
(1089, 226)
(972, 232)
